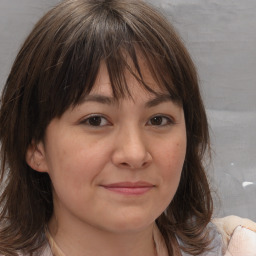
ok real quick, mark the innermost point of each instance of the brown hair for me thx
(55, 68)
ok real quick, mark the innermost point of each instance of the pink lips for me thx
(129, 188)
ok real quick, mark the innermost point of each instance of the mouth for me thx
(129, 188)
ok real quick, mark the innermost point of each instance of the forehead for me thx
(102, 92)
(133, 80)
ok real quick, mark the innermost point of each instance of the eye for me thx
(96, 120)
(160, 121)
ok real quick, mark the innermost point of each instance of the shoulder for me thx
(242, 242)
(238, 234)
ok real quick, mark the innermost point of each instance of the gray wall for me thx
(221, 36)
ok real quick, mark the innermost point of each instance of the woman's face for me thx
(115, 165)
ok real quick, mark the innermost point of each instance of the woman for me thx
(103, 152)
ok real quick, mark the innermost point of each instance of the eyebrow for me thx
(158, 99)
(100, 99)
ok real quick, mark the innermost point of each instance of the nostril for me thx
(131, 157)
(144, 164)
(134, 166)
(125, 164)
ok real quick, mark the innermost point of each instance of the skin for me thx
(140, 140)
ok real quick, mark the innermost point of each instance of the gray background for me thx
(221, 37)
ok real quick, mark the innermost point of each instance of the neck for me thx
(83, 240)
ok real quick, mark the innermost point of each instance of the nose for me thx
(131, 150)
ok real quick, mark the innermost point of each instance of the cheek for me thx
(173, 156)
(171, 160)
(178, 155)
(74, 173)
(74, 162)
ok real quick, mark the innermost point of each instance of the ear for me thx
(35, 157)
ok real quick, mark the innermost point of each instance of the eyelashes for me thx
(98, 120)
(160, 120)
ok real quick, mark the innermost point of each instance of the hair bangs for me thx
(122, 46)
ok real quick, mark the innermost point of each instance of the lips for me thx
(129, 188)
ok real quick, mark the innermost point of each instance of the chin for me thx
(132, 224)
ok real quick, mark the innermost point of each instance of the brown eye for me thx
(160, 121)
(96, 121)
(157, 120)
